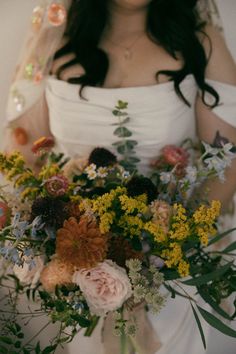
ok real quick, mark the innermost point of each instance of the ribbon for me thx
(145, 341)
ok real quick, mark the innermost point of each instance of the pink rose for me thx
(105, 287)
(175, 155)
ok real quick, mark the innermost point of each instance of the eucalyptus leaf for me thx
(206, 278)
(122, 132)
(131, 143)
(216, 323)
(122, 105)
(199, 326)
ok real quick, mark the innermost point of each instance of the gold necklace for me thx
(128, 54)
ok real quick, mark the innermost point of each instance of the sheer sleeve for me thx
(27, 113)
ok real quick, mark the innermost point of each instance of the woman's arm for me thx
(221, 67)
(35, 124)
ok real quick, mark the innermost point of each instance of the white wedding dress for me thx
(158, 117)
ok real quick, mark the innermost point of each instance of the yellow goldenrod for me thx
(183, 268)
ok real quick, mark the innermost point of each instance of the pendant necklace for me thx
(128, 54)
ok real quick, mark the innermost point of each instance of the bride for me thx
(172, 68)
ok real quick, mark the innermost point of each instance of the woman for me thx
(174, 71)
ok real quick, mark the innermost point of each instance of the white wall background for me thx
(14, 20)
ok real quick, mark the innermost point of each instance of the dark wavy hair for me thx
(173, 24)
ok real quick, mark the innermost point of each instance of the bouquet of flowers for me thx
(91, 239)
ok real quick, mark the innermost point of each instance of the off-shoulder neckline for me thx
(123, 89)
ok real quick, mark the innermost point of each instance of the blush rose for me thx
(105, 287)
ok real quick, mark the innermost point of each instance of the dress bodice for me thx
(157, 117)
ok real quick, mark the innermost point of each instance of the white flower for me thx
(28, 274)
(191, 174)
(105, 287)
(209, 149)
(102, 172)
(91, 171)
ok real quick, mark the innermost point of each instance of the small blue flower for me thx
(37, 225)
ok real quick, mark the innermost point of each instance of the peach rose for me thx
(105, 287)
(55, 273)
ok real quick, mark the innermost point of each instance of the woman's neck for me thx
(125, 22)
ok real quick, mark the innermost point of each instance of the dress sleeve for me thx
(226, 109)
(27, 114)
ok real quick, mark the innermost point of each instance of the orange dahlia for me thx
(81, 244)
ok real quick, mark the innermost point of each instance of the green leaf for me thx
(129, 143)
(230, 248)
(122, 149)
(174, 292)
(136, 243)
(60, 306)
(206, 278)
(37, 348)
(49, 349)
(118, 113)
(216, 323)
(26, 351)
(122, 132)
(83, 322)
(17, 344)
(122, 104)
(6, 340)
(170, 274)
(206, 297)
(220, 236)
(3, 349)
(199, 326)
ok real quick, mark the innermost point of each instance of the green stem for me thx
(91, 328)
(124, 343)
